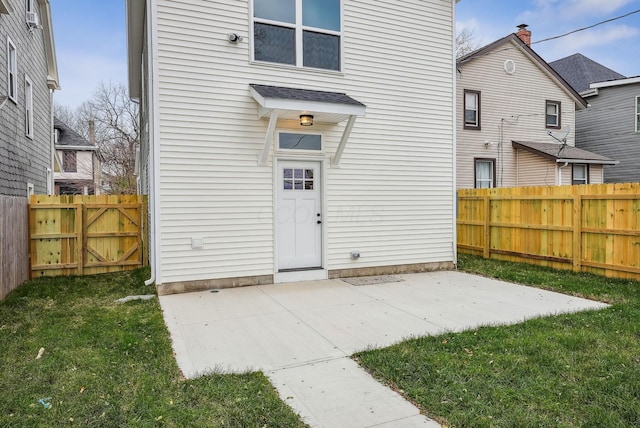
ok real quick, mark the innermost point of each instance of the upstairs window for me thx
(28, 107)
(69, 162)
(552, 114)
(471, 109)
(12, 71)
(638, 113)
(580, 173)
(303, 33)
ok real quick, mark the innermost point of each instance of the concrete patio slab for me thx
(302, 334)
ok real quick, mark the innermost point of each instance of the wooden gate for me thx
(85, 235)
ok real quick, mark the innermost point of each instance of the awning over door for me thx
(278, 102)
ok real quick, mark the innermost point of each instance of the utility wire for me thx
(586, 28)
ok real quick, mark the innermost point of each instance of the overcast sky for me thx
(91, 41)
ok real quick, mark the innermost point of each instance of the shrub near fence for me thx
(593, 228)
(14, 243)
(84, 235)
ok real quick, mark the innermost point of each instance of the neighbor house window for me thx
(291, 141)
(638, 114)
(552, 114)
(69, 162)
(304, 33)
(580, 174)
(471, 109)
(485, 173)
(12, 70)
(28, 107)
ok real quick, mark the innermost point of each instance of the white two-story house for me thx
(516, 122)
(294, 140)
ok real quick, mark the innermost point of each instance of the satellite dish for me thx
(562, 137)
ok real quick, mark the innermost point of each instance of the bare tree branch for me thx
(466, 42)
(117, 133)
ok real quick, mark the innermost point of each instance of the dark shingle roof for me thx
(305, 95)
(555, 151)
(69, 137)
(581, 71)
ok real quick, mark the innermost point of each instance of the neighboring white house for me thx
(516, 120)
(243, 189)
(78, 168)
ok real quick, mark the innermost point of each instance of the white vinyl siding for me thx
(514, 103)
(534, 170)
(392, 197)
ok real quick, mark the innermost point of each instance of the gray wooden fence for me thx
(14, 243)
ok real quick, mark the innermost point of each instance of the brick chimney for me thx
(524, 34)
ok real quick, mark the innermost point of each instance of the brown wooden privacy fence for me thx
(14, 243)
(84, 235)
(594, 228)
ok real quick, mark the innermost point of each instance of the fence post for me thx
(80, 237)
(577, 232)
(487, 229)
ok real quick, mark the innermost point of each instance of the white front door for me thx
(299, 215)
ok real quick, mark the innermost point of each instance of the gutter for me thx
(589, 161)
(154, 153)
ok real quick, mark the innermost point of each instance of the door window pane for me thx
(292, 141)
(321, 50)
(275, 44)
(298, 179)
(275, 10)
(321, 14)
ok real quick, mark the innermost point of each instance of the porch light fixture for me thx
(306, 120)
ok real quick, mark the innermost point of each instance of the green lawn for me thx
(562, 371)
(111, 365)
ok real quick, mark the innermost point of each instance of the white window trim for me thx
(30, 190)
(29, 6)
(12, 70)
(28, 107)
(299, 35)
(637, 116)
(299, 151)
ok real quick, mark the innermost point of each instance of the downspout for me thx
(154, 153)
(454, 136)
(560, 173)
(51, 185)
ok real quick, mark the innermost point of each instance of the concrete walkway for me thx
(302, 334)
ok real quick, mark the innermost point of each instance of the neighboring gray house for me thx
(28, 78)
(610, 126)
(78, 169)
(580, 71)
